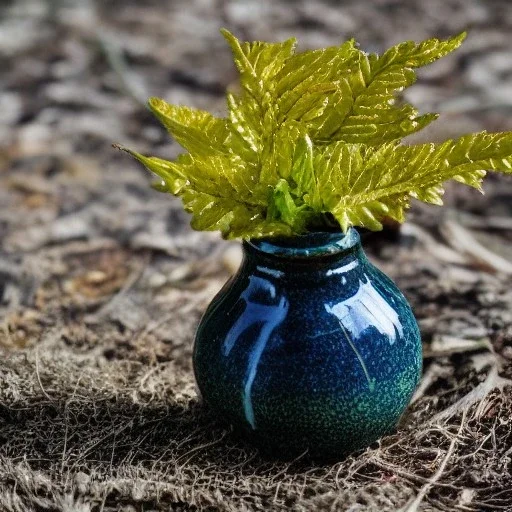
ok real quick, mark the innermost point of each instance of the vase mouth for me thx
(315, 244)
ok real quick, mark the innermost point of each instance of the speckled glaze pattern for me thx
(309, 347)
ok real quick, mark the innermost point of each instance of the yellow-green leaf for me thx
(196, 130)
(315, 136)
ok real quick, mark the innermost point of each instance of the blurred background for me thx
(102, 281)
(76, 75)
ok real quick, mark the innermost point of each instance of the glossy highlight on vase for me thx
(309, 347)
(270, 316)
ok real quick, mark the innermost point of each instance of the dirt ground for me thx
(102, 282)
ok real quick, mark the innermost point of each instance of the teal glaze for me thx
(309, 347)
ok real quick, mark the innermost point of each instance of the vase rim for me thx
(314, 244)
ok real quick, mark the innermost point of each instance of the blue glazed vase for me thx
(308, 347)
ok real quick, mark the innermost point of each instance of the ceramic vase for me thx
(308, 348)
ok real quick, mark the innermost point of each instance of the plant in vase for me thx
(309, 347)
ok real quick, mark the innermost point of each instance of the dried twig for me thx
(440, 251)
(413, 506)
(39, 376)
(462, 240)
(492, 382)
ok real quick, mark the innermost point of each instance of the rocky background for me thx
(102, 282)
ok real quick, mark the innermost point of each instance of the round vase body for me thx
(308, 347)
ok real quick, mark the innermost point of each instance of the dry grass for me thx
(94, 419)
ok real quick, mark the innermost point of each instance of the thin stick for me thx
(39, 377)
(413, 506)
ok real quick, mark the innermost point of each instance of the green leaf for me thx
(215, 190)
(196, 130)
(231, 175)
(345, 94)
(278, 154)
(227, 215)
(302, 167)
(245, 125)
(282, 207)
(259, 227)
(258, 63)
(380, 80)
(376, 176)
(172, 174)
(302, 71)
(315, 136)
(414, 55)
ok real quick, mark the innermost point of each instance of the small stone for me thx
(334, 18)
(500, 62)
(96, 277)
(69, 227)
(180, 273)
(425, 97)
(10, 108)
(502, 93)
(138, 491)
(82, 481)
(461, 103)
(156, 280)
(246, 12)
(34, 138)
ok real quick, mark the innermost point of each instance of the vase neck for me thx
(319, 249)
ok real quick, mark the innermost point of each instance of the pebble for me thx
(502, 94)
(335, 18)
(19, 35)
(246, 11)
(34, 138)
(10, 108)
(425, 97)
(156, 280)
(82, 481)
